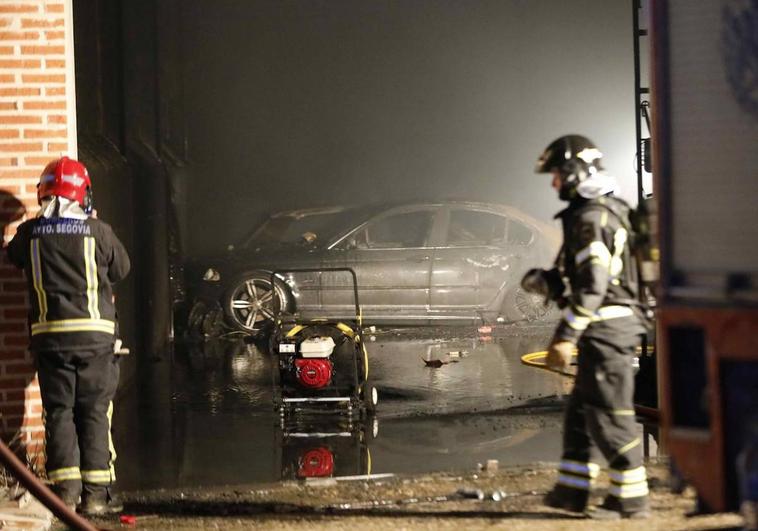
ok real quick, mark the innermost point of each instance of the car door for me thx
(474, 262)
(391, 256)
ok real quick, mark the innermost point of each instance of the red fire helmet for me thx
(67, 178)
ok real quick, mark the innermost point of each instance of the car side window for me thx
(474, 227)
(405, 229)
(518, 233)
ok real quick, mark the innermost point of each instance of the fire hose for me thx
(19, 470)
(537, 360)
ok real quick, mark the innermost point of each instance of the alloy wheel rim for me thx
(253, 302)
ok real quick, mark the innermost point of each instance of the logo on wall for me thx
(739, 36)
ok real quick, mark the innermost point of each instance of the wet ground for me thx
(214, 424)
(208, 450)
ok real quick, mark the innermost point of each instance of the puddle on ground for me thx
(210, 419)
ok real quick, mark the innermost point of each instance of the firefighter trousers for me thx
(77, 388)
(600, 420)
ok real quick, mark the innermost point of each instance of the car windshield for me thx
(293, 227)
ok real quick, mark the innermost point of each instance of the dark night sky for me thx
(296, 103)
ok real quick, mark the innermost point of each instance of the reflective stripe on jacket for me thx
(70, 267)
(598, 263)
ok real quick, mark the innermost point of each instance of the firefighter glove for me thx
(560, 354)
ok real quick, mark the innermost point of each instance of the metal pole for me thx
(637, 95)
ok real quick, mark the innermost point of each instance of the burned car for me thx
(417, 263)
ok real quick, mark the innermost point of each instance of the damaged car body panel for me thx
(416, 263)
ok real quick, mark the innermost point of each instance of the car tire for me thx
(520, 305)
(249, 304)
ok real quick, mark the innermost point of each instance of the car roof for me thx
(361, 212)
(377, 207)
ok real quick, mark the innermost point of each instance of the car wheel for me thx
(250, 303)
(520, 305)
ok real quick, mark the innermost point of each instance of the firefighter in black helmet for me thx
(601, 322)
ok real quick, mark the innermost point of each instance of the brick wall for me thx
(37, 124)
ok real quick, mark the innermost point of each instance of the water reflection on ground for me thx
(213, 421)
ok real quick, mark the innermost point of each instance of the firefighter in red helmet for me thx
(71, 261)
(603, 323)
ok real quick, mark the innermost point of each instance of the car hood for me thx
(263, 257)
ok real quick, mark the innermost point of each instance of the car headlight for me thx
(211, 275)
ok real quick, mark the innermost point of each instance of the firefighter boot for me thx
(567, 499)
(99, 501)
(611, 509)
(68, 491)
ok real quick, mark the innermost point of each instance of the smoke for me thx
(308, 103)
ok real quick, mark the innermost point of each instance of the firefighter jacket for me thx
(601, 271)
(70, 266)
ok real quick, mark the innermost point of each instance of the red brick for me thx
(7, 78)
(19, 368)
(9, 271)
(55, 35)
(12, 327)
(20, 63)
(38, 161)
(12, 413)
(18, 8)
(20, 119)
(9, 133)
(14, 355)
(57, 147)
(5, 22)
(43, 78)
(54, 8)
(19, 174)
(9, 106)
(15, 313)
(42, 105)
(17, 340)
(57, 118)
(12, 396)
(45, 133)
(13, 286)
(7, 50)
(54, 91)
(43, 50)
(42, 23)
(35, 421)
(19, 35)
(55, 63)
(7, 300)
(19, 91)
(21, 146)
(13, 382)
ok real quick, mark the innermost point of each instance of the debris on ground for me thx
(20, 510)
(511, 496)
(435, 363)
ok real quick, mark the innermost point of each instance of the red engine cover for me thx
(313, 373)
(316, 463)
